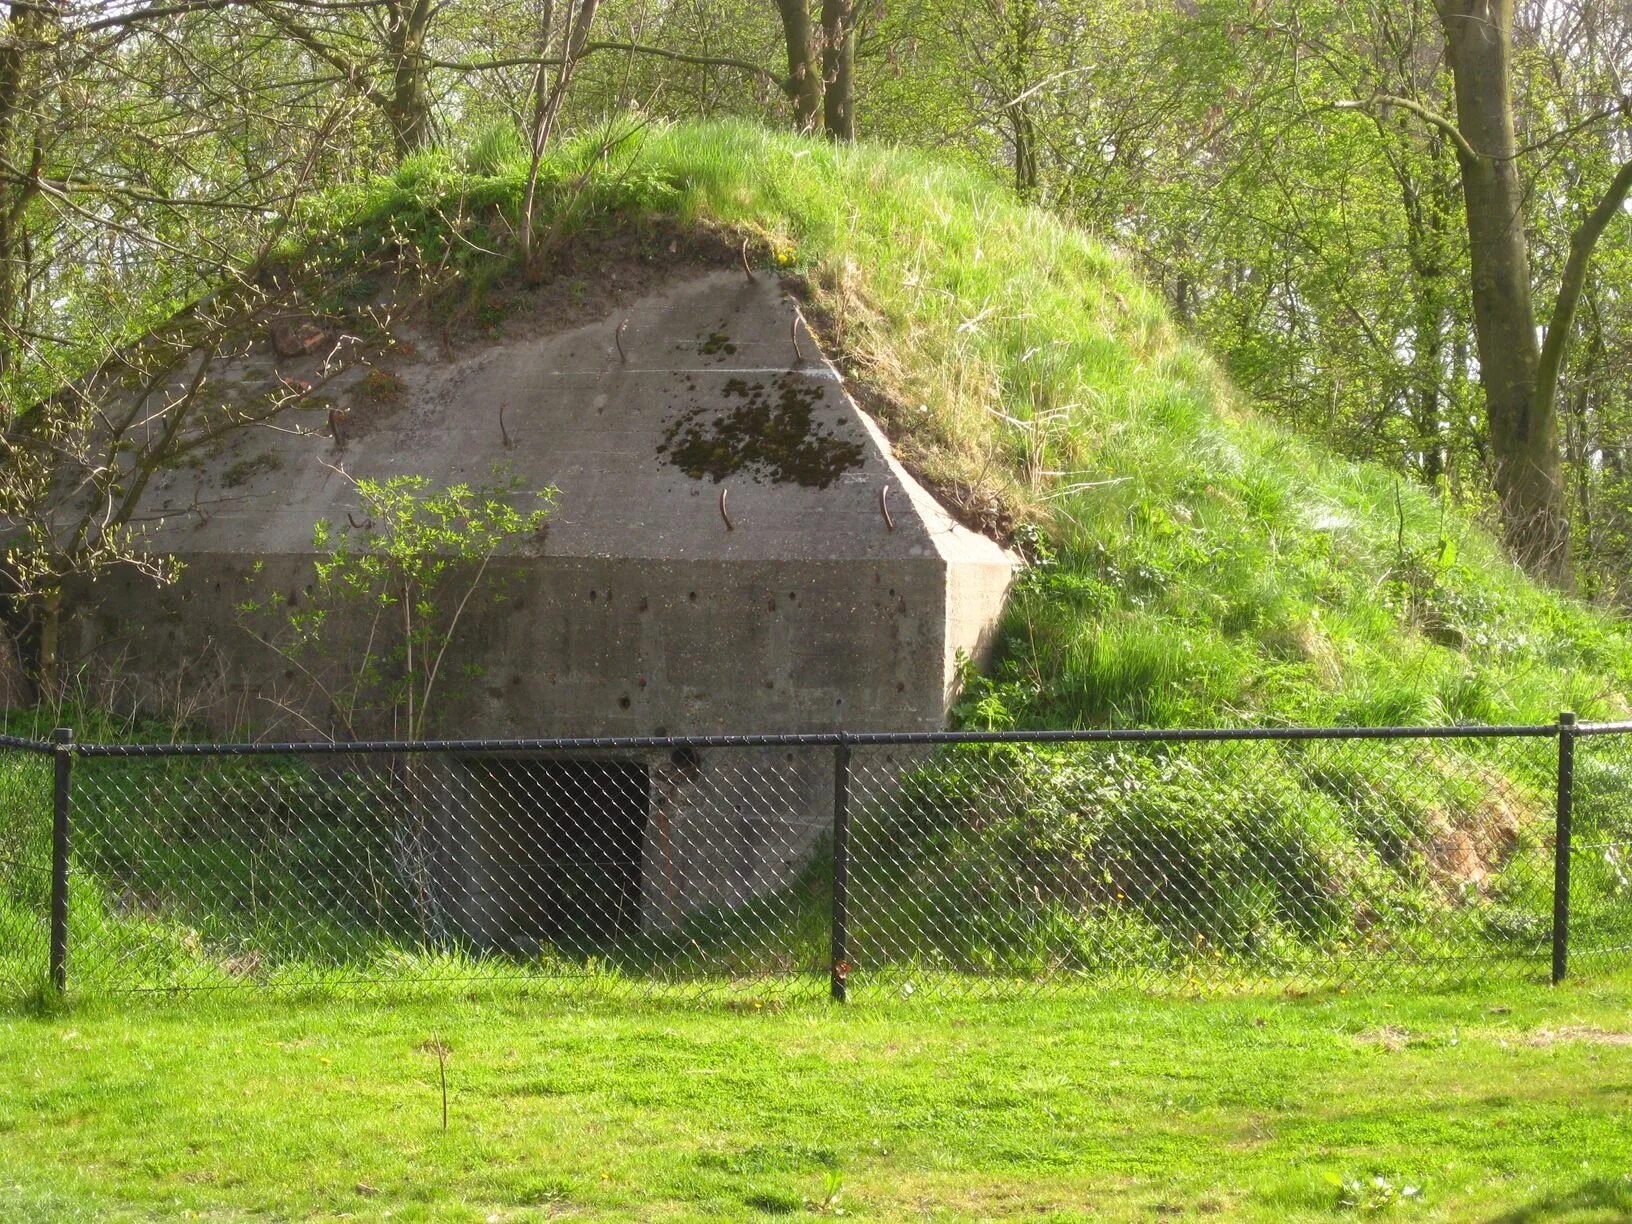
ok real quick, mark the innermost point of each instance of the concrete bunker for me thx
(735, 549)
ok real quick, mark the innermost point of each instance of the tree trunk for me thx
(1025, 154)
(409, 113)
(15, 692)
(1022, 127)
(1523, 427)
(579, 21)
(547, 105)
(1428, 352)
(839, 68)
(1581, 444)
(1427, 200)
(1429, 421)
(24, 29)
(804, 83)
(1578, 444)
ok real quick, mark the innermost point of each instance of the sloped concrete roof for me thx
(641, 419)
(840, 593)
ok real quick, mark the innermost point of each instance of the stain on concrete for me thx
(716, 344)
(768, 432)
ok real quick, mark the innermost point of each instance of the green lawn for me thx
(1511, 1104)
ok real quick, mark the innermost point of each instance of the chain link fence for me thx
(25, 865)
(857, 866)
(1599, 892)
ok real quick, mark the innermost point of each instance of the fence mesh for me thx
(1600, 916)
(968, 868)
(628, 871)
(1004, 868)
(25, 869)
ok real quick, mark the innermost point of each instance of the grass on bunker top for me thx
(1507, 1104)
(1201, 565)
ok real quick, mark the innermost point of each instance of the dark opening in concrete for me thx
(567, 849)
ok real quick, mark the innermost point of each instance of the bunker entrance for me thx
(566, 849)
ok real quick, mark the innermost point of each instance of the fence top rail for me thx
(26, 744)
(827, 739)
(1603, 728)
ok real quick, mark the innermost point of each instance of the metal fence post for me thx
(1561, 845)
(63, 738)
(841, 870)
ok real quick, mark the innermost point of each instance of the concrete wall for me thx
(579, 646)
(837, 596)
(605, 646)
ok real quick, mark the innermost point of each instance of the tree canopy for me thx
(1401, 226)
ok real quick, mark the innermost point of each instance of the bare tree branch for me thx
(1431, 117)
(1574, 279)
(590, 48)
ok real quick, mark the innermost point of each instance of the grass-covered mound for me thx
(1195, 564)
(1190, 563)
